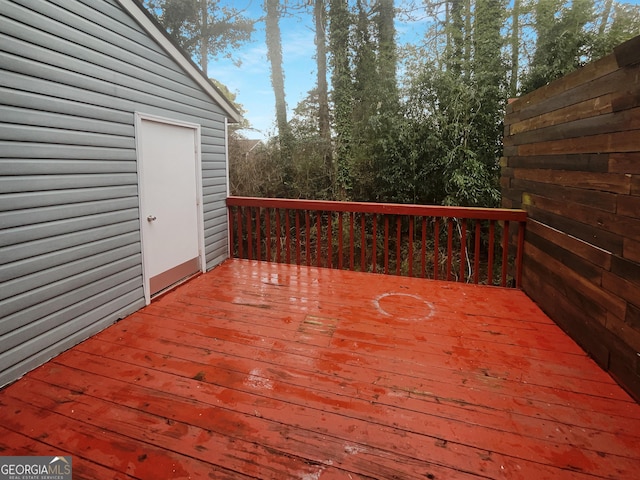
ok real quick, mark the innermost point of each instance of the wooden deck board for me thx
(260, 370)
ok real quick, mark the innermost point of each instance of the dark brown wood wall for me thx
(572, 161)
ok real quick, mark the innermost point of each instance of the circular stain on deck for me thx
(403, 306)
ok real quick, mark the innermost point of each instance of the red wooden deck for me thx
(279, 371)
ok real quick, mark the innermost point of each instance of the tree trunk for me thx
(274, 52)
(204, 36)
(324, 126)
(605, 17)
(515, 49)
(339, 24)
(387, 56)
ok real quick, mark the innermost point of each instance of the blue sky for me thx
(251, 81)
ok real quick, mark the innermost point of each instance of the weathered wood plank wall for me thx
(572, 161)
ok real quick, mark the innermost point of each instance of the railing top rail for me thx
(386, 208)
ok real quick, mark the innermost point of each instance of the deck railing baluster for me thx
(258, 241)
(505, 253)
(374, 243)
(319, 238)
(249, 236)
(298, 239)
(463, 250)
(423, 248)
(398, 244)
(410, 246)
(519, 253)
(340, 240)
(278, 236)
(492, 233)
(386, 244)
(476, 253)
(240, 240)
(363, 240)
(329, 241)
(466, 246)
(449, 246)
(436, 248)
(307, 223)
(287, 235)
(231, 236)
(351, 242)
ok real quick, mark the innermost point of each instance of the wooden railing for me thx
(444, 243)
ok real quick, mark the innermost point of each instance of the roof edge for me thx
(157, 32)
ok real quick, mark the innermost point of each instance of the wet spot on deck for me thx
(404, 306)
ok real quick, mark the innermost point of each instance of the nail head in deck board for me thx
(419, 428)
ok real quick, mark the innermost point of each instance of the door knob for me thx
(151, 218)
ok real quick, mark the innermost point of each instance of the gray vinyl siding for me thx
(72, 75)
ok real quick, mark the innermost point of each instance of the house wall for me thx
(572, 161)
(72, 74)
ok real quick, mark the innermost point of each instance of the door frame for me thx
(139, 118)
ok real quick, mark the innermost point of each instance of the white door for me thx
(169, 183)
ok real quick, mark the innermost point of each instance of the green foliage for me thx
(446, 156)
(224, 30)
(339, 48)
(621, 25)
(433, 138)
(562, 41)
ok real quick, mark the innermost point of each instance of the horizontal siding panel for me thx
(217, 139)
(48, 245)
(60, 121)
(164, 100)
(217, 233)
(41, 349)
(34, 183)
(87, 40)
(217, 253)
(38, 102)
(111, 21)
(216, 149)
(215, 171)
(54, 86)
(213, 194)
(67, 152)
(216, 185)
(21, 218)
(103, 78)
(64, 279)
(28, 265)
(218, 214)
(214, 227)
(67, 307)
(216, 131)
(13, 236)
(82, 57)
(26, 133)
(36, 199)
(15, 166)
